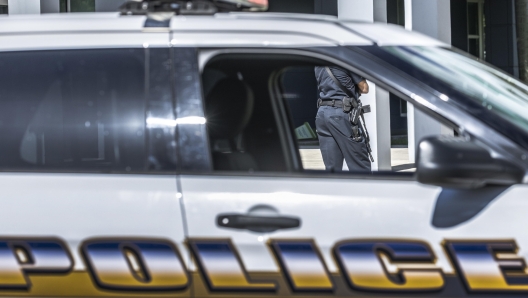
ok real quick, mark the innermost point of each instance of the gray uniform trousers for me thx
(336, 141)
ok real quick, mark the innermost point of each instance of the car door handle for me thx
(261, 224)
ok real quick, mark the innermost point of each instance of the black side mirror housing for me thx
(454, 162)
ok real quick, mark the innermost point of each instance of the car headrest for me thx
(228, 108)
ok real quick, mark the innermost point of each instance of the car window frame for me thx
(417, 93)
(285, 125)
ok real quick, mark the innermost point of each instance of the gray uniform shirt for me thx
(329, 90)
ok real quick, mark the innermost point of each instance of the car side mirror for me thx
(454, 162)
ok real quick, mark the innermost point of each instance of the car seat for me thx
(228, 109)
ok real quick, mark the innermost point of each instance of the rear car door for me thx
(90, 205)
(286, 233)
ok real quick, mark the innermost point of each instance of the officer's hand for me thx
(363, 87)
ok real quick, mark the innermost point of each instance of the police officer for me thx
(334, 129)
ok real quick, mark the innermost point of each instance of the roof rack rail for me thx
(190, 7)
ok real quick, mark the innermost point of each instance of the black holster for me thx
(354, 108)
(349, 104)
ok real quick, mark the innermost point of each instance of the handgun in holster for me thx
(354, 115)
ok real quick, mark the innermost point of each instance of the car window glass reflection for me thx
(73, 110)
(262, 115)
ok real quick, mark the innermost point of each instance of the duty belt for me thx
(338, 104)
(333, 103)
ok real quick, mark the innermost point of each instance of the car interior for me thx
(242, 116)
(260, 111)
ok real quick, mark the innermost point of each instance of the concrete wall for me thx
(433, 18)
(358, 10)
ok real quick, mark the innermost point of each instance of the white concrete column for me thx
(23, 6)
(378, 121)
(357, 10)
(433, 18)
(380, 11)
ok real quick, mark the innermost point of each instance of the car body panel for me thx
(82, 41)
(78, 207)
(325, 31)
(78, 22)
(362, 208)
(234, 39)
(107, 206)
(177, 210)
(278, 30)
(390, 35)
(353, 210)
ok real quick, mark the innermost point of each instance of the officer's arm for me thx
(350, 79)
(344, 78)
(360, 82)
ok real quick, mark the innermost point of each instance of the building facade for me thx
(483, 28)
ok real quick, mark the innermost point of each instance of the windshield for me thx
(482, 90)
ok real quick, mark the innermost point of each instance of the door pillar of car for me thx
(378, 121)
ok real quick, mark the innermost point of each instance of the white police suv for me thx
(153, 153)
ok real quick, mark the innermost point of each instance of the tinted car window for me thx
(72, 110)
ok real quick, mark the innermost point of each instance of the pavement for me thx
(312, 159)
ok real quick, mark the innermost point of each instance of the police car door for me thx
(254, 225)
(89, 196)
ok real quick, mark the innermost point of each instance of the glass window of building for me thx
(476, 21)
(3, 7)
(77, 5)
(396, 12)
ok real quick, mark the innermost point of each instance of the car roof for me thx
(87, 30)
